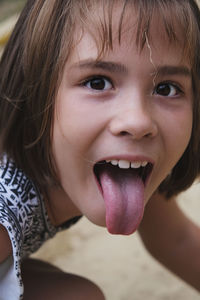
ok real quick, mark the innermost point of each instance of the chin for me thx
(97, 220)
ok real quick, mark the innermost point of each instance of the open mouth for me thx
(124, 168)
(122, 184)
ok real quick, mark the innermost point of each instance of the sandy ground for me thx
(120, 265)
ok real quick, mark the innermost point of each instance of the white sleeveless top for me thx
(23, 214)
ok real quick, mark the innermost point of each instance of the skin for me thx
(127, 118)
(172, 238)
(54, 284)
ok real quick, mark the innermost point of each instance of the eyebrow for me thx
(173, 70)
(120, 68)
(103, 65)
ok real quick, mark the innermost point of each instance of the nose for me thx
(137, 122)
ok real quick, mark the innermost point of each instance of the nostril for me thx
(137, 126)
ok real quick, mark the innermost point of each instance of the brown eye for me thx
(98, 84)
(167, 90)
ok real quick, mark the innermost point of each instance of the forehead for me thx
(124, 30)
(112, 22)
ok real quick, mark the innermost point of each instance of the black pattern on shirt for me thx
(23, 214)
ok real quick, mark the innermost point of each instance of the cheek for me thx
(81, 130)
(179, 131)
(74, 118)
(75, 131)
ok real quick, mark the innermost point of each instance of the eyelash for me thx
(108, 85)
(168, 84)
(101, 79)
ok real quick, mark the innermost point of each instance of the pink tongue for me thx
(123, 194)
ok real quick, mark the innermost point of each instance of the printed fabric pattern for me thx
(23, 214)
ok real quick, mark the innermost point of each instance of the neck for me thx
(59, 206)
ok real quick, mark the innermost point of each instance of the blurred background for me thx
(10, 7)
(120, 265)
(9, 11)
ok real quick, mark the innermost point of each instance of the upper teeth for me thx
(125, 164)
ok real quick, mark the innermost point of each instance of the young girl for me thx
(99, 108)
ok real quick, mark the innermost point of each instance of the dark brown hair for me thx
(32, 65)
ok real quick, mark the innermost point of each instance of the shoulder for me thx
(14, 184)
(18, 202)
(5, 244)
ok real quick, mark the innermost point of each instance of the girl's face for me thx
(121, 124)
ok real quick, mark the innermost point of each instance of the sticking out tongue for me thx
(123, 192)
